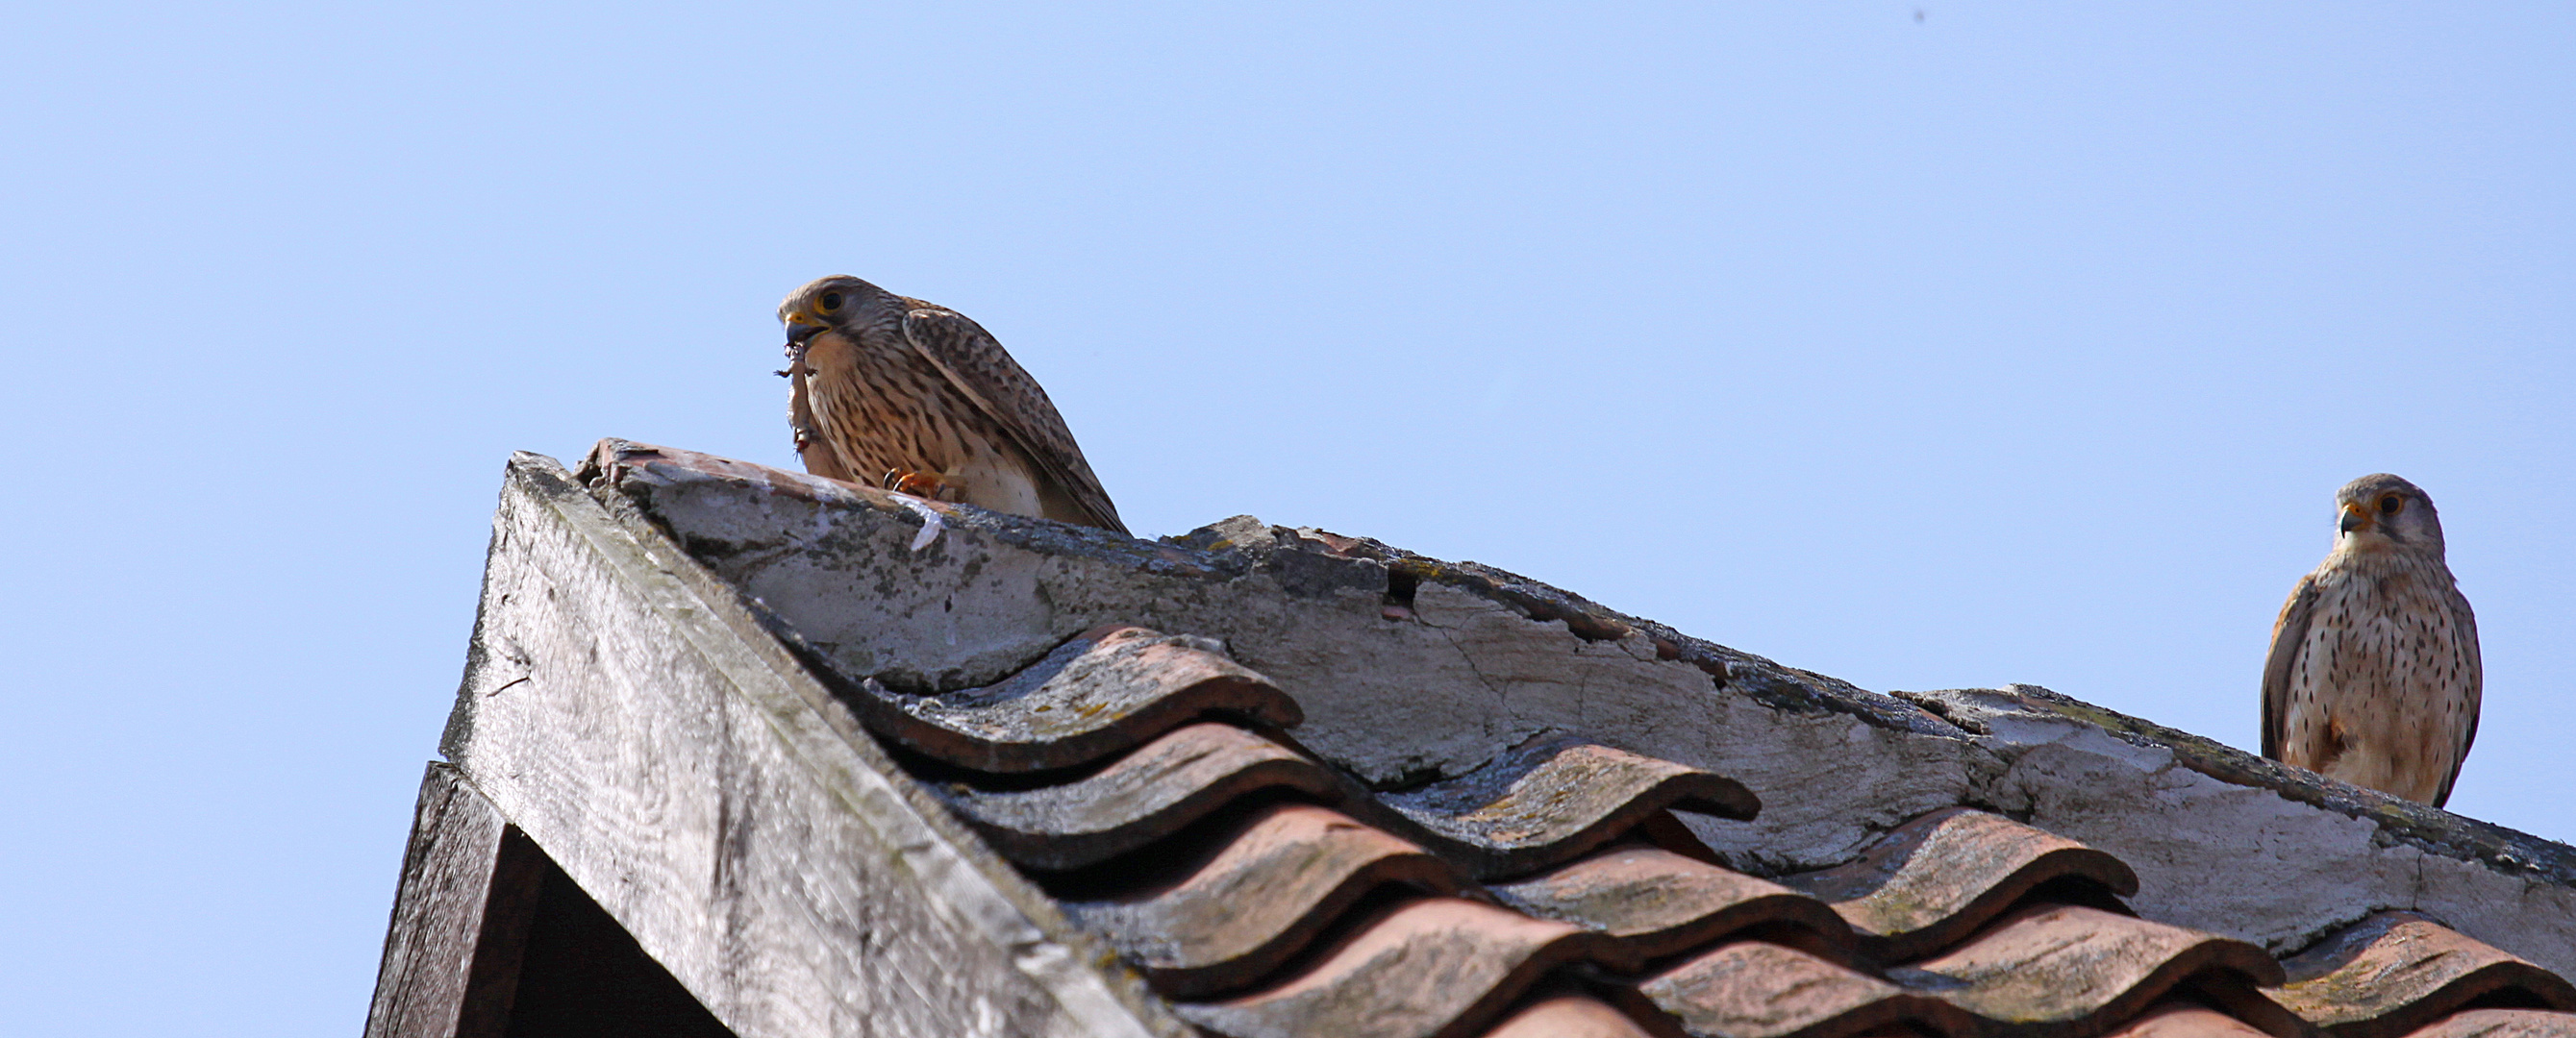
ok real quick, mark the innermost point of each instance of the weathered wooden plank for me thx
(460, 919)
(630, 714)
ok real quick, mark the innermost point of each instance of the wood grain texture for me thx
(460, 919)
(630, 714)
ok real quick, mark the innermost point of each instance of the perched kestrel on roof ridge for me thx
(2374, 675)
(893, 391)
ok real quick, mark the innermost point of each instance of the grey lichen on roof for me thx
(1411, 671)
(1309, 560)
(1983, 711)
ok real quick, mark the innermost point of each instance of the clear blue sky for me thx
(2009, 342)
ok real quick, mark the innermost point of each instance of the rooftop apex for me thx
(1411, 668)
(852, 763)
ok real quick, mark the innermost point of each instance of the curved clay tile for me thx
(2502, 1023)
(2186, 1020)
(1142, 797)
(1106, 691)
(1547, 803)
(1568, 1016)
(2048, 972)
(2068, 970)
(1273, 882)
(2397, 971)
(1653, 902)
(1755, 989)
(1929, 882)
(1432, 968)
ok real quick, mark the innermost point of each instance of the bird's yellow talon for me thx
(915, 483)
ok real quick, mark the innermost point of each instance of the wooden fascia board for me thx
(625, 709)
(460, 918)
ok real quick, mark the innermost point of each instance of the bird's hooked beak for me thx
(802, 329)
(2354, 518)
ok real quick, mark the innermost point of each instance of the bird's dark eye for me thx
(2390, 504)
(831, 301)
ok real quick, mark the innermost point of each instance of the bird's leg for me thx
(918, 484)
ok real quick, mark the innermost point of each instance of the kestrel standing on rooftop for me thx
(2374, 674)
(893, 391)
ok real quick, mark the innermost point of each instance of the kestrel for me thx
(2374, 674)
(893, 391)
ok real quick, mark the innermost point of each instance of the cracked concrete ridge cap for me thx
(1411, 670)
(2015, 717)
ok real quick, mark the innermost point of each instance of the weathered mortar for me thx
(1411, 669)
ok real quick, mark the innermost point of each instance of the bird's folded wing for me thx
(984, 373)
(2464, 626)
(2289, 638)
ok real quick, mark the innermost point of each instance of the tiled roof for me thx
(1154, 787)
(856, 764)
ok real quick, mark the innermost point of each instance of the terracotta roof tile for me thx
(2502, 1023)
(2066, 969)
(1104, 692)
(1546, 803)
(1755, 989)
(2186, 1020)
(1932, 880)
(1568, 1016)
(1142, 797)
(2397, 971)
(1272, 883)
(1432, 967)
(1149, 784)
(1251, 884)
(1656, 902)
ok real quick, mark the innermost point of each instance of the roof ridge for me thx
(1343, 622)
(1946, 921)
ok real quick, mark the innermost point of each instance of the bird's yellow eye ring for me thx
(829, 302)
(2390, 504)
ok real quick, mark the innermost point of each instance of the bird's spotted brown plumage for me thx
(895, 391)
(2374, 675)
